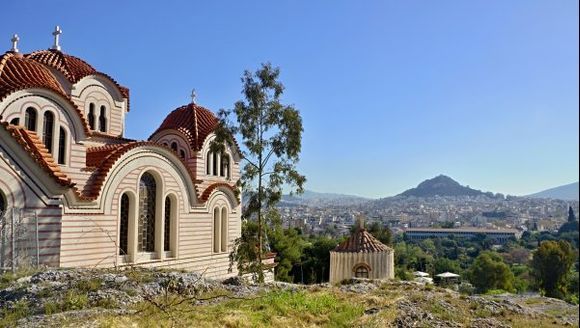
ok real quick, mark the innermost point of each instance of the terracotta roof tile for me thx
(34, 147)
(194, 121)
(19, 73)
(103, 158)
(211, 188)
(361, 241)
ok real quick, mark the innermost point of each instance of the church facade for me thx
(101, 199)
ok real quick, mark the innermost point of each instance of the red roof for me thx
(361, 241)
(194, 121)
(18, 73)
(210, 189)
(35, 148)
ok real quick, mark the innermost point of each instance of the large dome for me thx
(194, 121)
(18, 73)
(73, 68)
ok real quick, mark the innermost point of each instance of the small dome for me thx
(361, 241)
(194, 121)
(73, 68)
(19, 73)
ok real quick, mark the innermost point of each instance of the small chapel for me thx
(361, 256)
(98, 197)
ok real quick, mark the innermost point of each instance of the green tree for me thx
(288, 245)
(488, 271)
(571, 226)
(443, 264)
(271, 134)
(382, 233)
(551, 266)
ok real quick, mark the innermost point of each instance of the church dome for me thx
(19, 73)
(193, 121)
(73, 68)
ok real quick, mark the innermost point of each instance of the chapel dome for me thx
(19, 73)
(193, 121)
(361, 241)
(73, 68)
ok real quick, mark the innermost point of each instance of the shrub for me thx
(74, 301)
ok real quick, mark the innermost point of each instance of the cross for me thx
(57, 32)
(193, 95)
(15, 40)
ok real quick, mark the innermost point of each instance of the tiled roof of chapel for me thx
(361, 241)
(193, 121)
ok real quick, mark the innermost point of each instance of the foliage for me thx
(442, 264)
(488, 271)
(551, 266)
(288, 245)
(381, 232)
(245, 250)
(271, 134)
(315, 262)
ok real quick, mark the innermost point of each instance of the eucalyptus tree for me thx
(271, 135)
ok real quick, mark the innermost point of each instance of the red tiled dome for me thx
(73, 68)
(18, 73)
(194, 121)
(361, 241)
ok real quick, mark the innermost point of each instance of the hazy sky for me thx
(391, 92)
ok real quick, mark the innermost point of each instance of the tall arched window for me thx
(216, 230)
(225, 169)
(215, 164)
(208, 163)
(182, 153)
(61, 146)
(103, 119)
(15, 121)
(48, 130)
(224, 229)
(174, 146)
(167, 225)
(30, 119)
(124, 226)
(92, 116)
(146, 232)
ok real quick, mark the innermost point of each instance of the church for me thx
(99, 198)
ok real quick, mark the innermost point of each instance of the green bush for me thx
(74, 300)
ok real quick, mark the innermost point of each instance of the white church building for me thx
(99, 198)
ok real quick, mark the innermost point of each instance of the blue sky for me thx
(391, 92)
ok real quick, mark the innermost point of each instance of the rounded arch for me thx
(127, 206)
(225, 193)
(167, 137)
(43, 99)
(361, 270)
(101, 81)
(153, 158)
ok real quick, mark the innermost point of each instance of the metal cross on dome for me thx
(57, 32)
(193, 95)
(15, 40)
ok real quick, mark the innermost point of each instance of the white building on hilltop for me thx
(100, 199)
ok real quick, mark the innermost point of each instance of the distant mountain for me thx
(565, 192)
(442, 185)
(312, 197)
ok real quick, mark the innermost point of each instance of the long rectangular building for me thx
(500, 236)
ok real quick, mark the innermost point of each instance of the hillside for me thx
(317, 198)
(565, 192)
(441, 185)
(147, 298)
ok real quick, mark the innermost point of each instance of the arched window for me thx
(182, 154)
(48, 130)
(174, 146)
(208, 163)
(15, 121)
(216, 230)
(361, 271)
(225, 169)
(92, 116)
(146, 232)
(124, 226)
(167, 225)
(30, 119)
(215, 164)
(103, 119)
(224, 229)
(61, 146)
